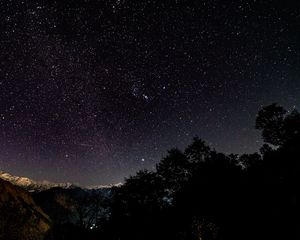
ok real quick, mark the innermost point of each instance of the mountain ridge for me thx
(37, 186)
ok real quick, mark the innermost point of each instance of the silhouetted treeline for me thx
(200, 193)
(203, 194)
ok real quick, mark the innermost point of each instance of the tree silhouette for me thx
(200, 193)
(271, 121)
(278, 127)
(174, 170)
(198, 151)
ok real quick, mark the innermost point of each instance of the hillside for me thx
(20, 217)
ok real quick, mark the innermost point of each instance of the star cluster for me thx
(91, 91)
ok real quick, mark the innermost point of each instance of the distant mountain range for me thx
(40, 204)
(38, 186)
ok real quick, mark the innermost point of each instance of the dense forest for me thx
(200, 193)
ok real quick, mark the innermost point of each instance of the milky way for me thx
(92, 91)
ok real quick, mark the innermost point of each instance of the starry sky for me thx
(92, 91)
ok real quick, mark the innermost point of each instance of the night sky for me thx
(92, 91)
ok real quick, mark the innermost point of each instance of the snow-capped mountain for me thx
(32, 185)
(37, 186)
(104, 186)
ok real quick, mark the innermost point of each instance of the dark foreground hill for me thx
(20, 217)
(81, 207)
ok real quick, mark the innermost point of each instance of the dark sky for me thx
(91, 91)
